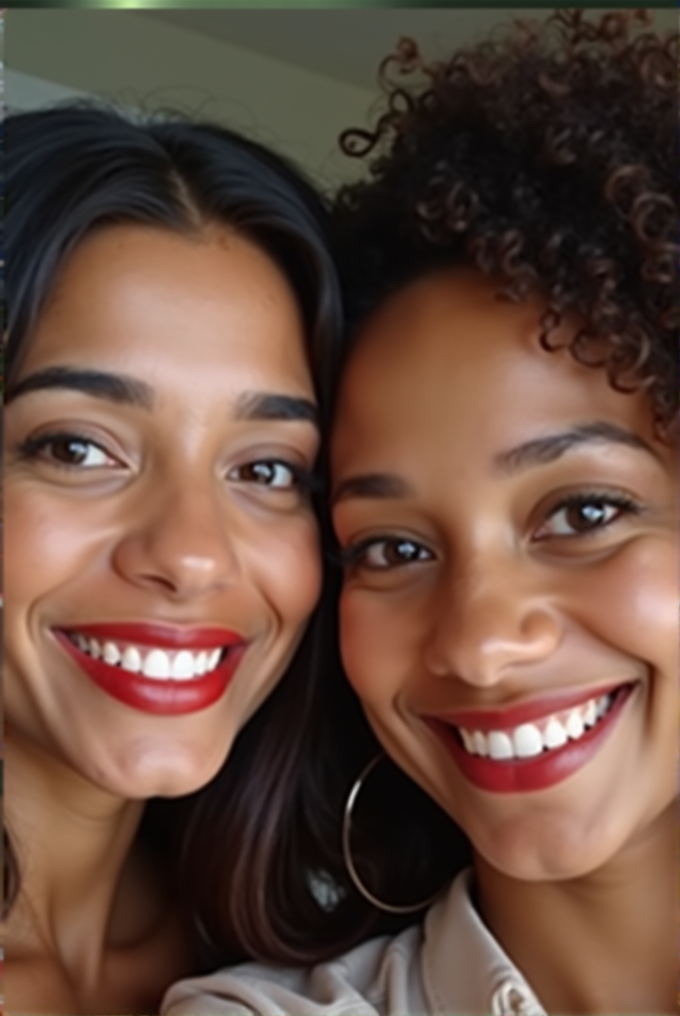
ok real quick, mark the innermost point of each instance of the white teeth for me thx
(201, 663)
(111, 653)
(156, 664)
(132, 660)
(602, 705)
(479, 743)
(214, 658)
(590, 714)
(530, 739)
(182, 665)
(574, 725)
(468, 741)
(527, 741)
(500, 745)
(554, 735)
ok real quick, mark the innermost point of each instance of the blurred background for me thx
(293, 79)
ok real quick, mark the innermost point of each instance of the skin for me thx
(159, 517)
(473, 586)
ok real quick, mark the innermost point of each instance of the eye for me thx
(584, 514)
(269, 473)
(385, 553)
(72, 451)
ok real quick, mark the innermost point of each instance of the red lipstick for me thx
(539, 772)
(524, 712)
(161, 635)
(159, 696)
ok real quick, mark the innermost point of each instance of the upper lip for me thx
(526, 711)
(160, 635)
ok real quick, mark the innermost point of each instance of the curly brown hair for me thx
(547, 155)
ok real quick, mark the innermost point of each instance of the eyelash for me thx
(623, 504)
(34, 447)
(352, 556)
(304, 480)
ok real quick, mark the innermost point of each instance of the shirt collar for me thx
(464, 968)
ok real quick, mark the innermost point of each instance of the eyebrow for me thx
(265, 406)
(372, 485)
(101, 385)
(540, 451)
(125, 390)
(547, 449)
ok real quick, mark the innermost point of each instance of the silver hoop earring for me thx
(389, 908)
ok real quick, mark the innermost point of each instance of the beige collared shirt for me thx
(450, 964)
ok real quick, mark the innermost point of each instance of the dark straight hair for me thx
(77, 168)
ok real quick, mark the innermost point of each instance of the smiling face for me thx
(509, 611)
(162, 557)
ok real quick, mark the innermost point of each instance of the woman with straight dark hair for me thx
(171, 316)
(504, 496)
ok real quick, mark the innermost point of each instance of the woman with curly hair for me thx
(505, 502)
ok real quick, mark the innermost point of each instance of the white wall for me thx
(26, 91)
(137, 61)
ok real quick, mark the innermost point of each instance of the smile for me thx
(154, 662)
(537, 752)
(530, 739)
(156, 668)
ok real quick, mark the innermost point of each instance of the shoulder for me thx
(449, 963)
(378, 977)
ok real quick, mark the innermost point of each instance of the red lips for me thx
(525, 712)
(169, 697)
(163, 636)
(528, 774)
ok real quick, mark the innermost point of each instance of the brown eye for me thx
(68, 450)
(277, 475)
(74, 452)
(587, 516)
(580, 517)
(393, 554)
(583, 515)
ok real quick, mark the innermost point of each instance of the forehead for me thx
(147, 292)
(449, 356)
(136, 261)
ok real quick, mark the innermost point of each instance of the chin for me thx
(161, 772)
(556, 852)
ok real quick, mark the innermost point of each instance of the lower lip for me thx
(514, 776)
(162, 698)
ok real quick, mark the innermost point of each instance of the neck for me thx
(601, 943)
(72, 840)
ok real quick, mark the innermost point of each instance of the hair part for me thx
(77, 168)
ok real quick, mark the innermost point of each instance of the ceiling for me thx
(347, 45)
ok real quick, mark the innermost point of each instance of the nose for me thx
(178, 542)
(490, 621)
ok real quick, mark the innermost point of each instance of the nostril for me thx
(159, 581)
(176, 555)
(482, 645)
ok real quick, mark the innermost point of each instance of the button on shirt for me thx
(449, 964)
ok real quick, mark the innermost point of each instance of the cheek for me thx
(634, 598)
(45, 545)
(288, 565)
(375, 650)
